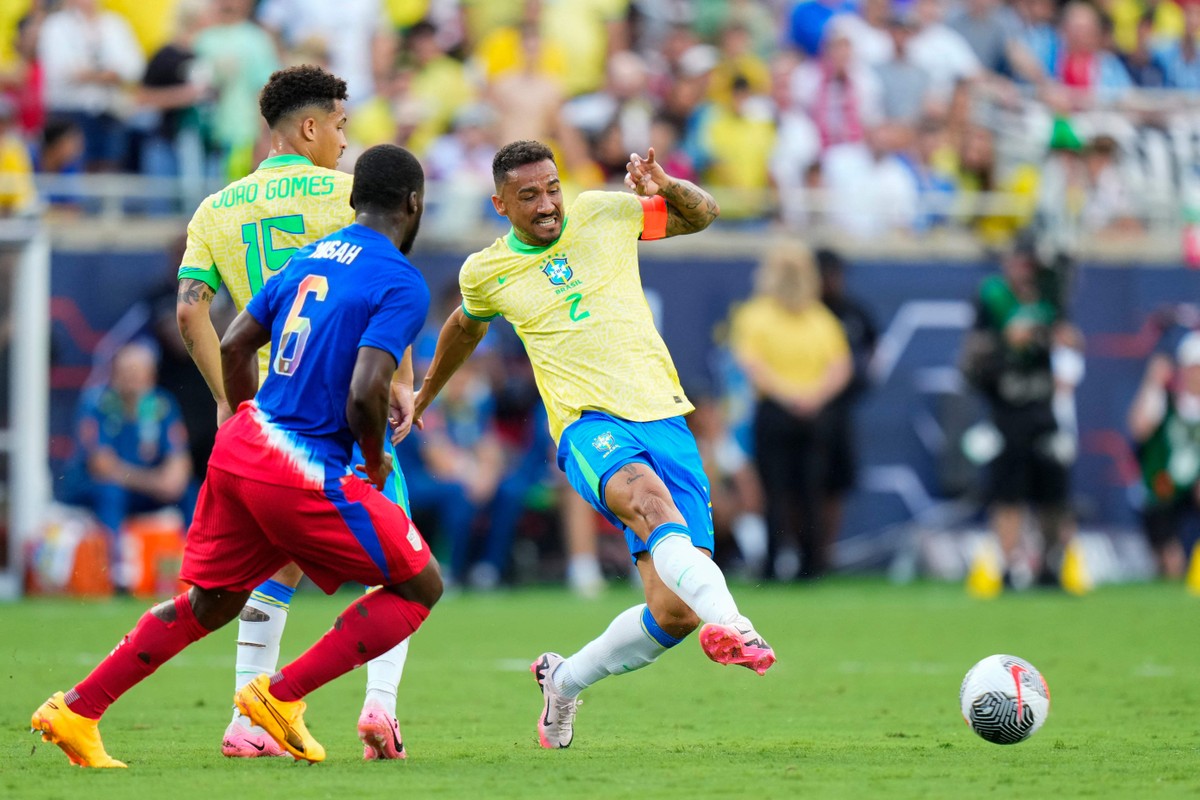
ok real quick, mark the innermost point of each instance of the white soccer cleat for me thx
(556, 725)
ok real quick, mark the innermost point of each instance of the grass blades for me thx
(862, 704)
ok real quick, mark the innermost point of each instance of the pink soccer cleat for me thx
(380, 734)
(243, 741)
(737, 643)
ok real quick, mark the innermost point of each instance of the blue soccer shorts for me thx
(597, 444)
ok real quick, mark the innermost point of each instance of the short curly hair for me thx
(518, 154)
(384, 176)
(304, 86)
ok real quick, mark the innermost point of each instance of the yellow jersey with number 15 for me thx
(579, 308)
(244, 234)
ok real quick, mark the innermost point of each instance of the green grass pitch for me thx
(862, 704)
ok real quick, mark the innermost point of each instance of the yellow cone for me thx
(984, 578)
(1193, 574)
(1074, 577)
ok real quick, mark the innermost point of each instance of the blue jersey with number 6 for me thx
(349, 290)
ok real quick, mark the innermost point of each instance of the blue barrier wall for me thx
(920, 307)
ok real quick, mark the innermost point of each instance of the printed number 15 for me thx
(263, 259)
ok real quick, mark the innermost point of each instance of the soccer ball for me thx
(1004, 699)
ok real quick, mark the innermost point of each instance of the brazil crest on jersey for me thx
(580, 310)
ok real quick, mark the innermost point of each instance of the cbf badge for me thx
(604, 444)
(558, 271)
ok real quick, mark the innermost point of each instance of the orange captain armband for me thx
(654, 224)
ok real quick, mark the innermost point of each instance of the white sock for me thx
(260, 629)
(750, 533)
(624, 646)
(584, 575)
(693, 576)
(383, 676)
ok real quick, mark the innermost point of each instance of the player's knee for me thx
(426, 588)
(289, 575)
(654, 506)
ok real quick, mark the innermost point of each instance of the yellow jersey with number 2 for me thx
(579, 308)
(246, 233)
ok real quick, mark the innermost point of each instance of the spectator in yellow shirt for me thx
(740, 138)
(1167, 19)
(795, 355)
(440, 85)
(17, 194)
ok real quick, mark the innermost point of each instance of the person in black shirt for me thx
(1019, 351)
(175, 87)
(841, 471)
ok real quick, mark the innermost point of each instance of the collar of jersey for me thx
(288, 160)
(517, 246)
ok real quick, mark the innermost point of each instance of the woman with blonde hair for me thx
(795, 355)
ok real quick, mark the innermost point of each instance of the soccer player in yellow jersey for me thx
(242, 236)
(569, 285)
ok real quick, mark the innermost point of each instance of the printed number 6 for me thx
(297, 328)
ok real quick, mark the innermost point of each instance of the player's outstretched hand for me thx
(644, 175)
(379, 475)
(415, 420)
(400, 411)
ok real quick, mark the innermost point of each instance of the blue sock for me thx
(651, 626)
(665, 530)
(273, 593)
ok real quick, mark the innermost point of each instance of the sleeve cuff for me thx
(479, 317)
(208, 276)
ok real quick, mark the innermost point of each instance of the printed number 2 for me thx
(297, 327)
(576, 315)
(263, 259)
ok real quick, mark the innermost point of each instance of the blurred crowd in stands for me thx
(985, 113)
(1077, 120)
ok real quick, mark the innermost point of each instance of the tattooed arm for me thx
(689, 208)
(192, 305)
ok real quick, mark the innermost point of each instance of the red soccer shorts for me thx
(244, 530)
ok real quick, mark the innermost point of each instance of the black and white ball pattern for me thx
(1004, 699)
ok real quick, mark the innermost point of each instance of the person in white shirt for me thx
(357, 35)
(941, 51)
(870, 189)
(838, 92)
(89, 58)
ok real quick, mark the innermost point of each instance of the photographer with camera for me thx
(1026, 359)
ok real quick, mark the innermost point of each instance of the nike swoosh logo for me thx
(258, 747)
(293, 738)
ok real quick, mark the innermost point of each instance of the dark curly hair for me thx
(289, 90)
(518, 154)
(384, 176)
